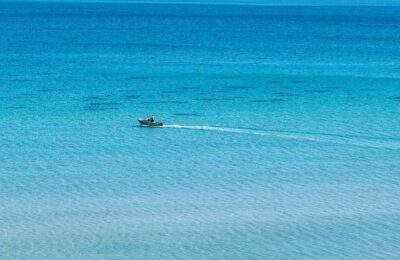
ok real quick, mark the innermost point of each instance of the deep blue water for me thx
(282, 136)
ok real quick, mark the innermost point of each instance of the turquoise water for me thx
(281, 137)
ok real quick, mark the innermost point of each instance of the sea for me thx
(281, 135)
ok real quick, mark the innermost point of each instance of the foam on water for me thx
(373, 142)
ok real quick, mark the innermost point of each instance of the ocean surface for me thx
(281, 137)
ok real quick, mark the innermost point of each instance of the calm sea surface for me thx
(282, 136)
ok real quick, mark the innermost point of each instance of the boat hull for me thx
(145, 122)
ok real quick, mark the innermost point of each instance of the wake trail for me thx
(373, 142)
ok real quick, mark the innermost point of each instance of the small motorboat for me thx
(146, 122)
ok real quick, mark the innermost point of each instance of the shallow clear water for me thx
(282, 136)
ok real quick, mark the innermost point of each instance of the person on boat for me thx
(151, 119)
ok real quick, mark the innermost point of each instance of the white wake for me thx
(372, 142)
